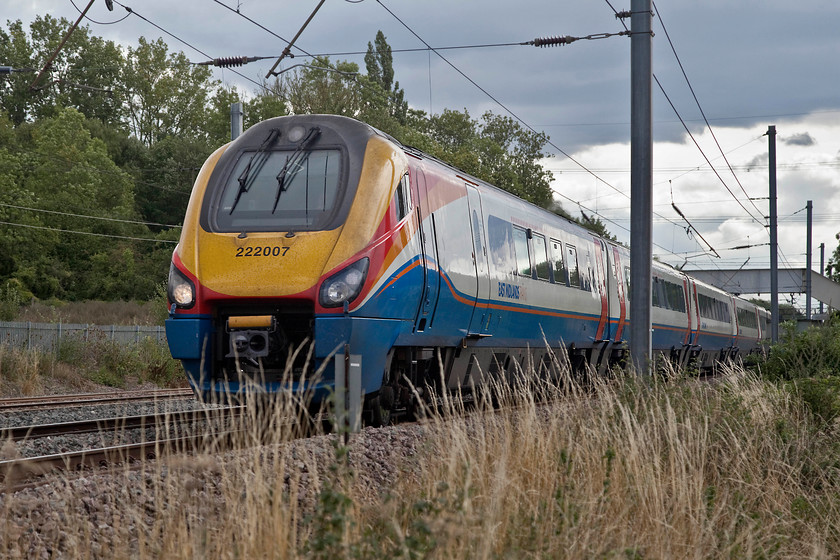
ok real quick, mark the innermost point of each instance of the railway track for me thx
(181, 432)
(114, 425)
(80, 399)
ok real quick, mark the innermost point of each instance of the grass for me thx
(16, 307)
(626, 468)
(87, 365)
(93, 312)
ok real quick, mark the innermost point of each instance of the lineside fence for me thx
(48, 337)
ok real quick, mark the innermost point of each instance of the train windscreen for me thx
(281, 190)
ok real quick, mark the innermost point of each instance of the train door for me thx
(688, 310)
(482, 316)
(618, 275)
(601, 283)
(428, 259)
(694, 313)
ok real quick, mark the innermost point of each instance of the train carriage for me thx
(313, 235)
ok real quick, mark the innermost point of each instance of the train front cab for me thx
(272, 278)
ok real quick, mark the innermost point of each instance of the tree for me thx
(69, 176)
(265, 105)
(16, 51)
(82, 75)
(165, 184)
(832, 267)
(496, 149)
(382, 93)
(165, 94)
(327, 88)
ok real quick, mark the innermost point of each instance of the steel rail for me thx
(16, 473)
(111, 425)
(17, 403)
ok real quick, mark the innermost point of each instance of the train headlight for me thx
(344, 286)
(181, 290)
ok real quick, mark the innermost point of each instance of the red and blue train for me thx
(310, 234)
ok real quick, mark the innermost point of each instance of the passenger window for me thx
(476, 226)
(572, 263)
(402, 198)
(520, 245)
(540, 257)
(499, 242)
(559, 268)
(585, 270)
(654, 293)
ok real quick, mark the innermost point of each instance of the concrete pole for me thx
(822, 270)
(641, 186)
(810, 211)
(774, 238)
(235, 120)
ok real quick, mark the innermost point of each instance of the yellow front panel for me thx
(240, 267)
(269, 264)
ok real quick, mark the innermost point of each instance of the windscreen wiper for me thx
(294, 161)
(243, 177)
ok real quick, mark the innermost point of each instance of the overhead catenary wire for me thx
(134, 12)
(432, 49)
(118, 220)
(606, 219)
(87, 17)
(540, 42)
(620, 17)
(502, 105)
(708, 161)
(702, 112)
(29, 226)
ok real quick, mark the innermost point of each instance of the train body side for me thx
(428, 276)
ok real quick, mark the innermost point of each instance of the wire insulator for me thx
(552, 41)
(230, 61)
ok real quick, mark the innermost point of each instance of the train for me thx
(312, 238)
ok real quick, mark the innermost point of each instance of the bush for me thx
(814, 352)
(807, 364)
(158, 366)
(821, 396)
(107, 362)
(19, 371)
(12, 296)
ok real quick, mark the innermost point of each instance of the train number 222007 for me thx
(262, 251)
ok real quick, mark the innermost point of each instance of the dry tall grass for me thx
(95, 312)
(624, 469)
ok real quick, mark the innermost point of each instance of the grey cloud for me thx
(801, 139)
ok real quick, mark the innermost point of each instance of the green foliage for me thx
(168, 95)
(171, 166)
(332, 516)
(12, 296)
(821, 396)
(107, 362)
(120, 134)
(814, 352)
(157, 365)
(82, 74)
(496, 149)
(324, 87)
(807, 364)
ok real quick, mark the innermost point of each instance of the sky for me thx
(749, 64)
